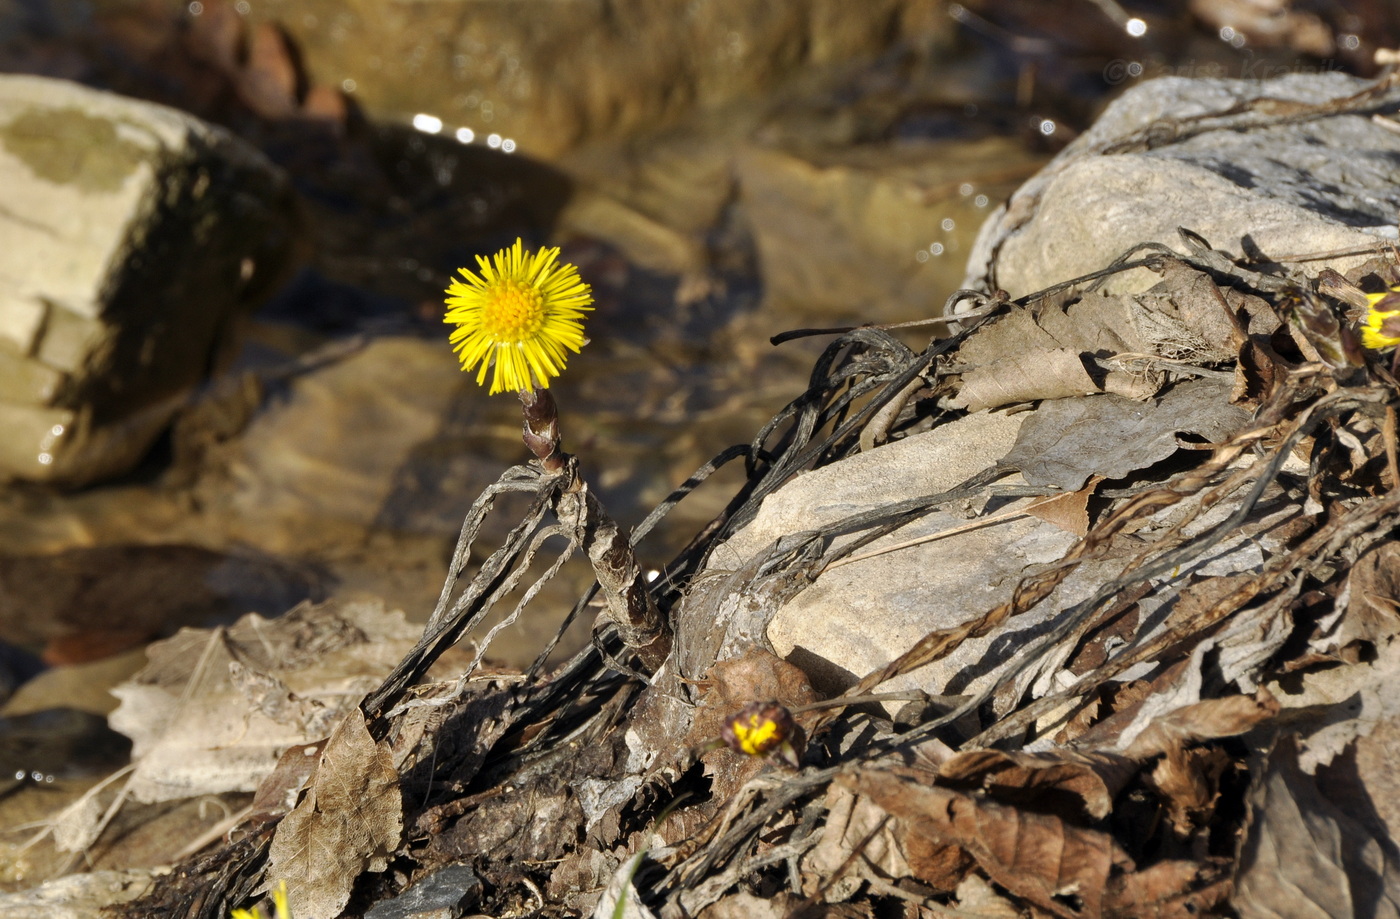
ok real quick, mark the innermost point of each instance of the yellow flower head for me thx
(519, 315)
(1382, 326)
(761, 729)
(756, 735)
(279, 903)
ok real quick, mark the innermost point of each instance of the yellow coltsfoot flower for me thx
(520, 315)
(764, 729)
(1381, 328)
(279, 903)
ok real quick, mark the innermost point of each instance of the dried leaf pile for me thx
(1190, 738)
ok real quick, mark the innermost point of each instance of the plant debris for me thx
(1226, 457)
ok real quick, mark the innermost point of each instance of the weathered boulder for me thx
(1244, 163)
(550, 75)
(131, 236)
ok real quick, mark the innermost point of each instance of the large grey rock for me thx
(131, 235)
(863, 615)
(1296, 186)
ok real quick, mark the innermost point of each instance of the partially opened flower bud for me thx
(1381, 328)
(764, 729)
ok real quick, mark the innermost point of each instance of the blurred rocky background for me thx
(225, 228)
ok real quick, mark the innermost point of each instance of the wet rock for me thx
(81, 687)
(59, 741)
(1269, 186)
(317, 467)
(875, 233)
(88, 603)
(445, 894)
(550, 75)
(131, 238)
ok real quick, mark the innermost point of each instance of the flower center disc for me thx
(513, 310)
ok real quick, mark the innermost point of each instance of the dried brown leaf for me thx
(1373, 606)
(1069, 512)
(1026, 377)
(851, 822)
(349, 821)
(1168, 890)
(743, 905)
(757, 675)
(1064, 782)
(1303, 858)
(1064, 442)
(1208, 719)
(1061, 868)
(278, 792)
(214, 709)
(1030, 355)
(1188, 781)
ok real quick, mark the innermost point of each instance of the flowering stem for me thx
(541, 429)
(628, 602)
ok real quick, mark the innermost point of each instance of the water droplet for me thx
(1047, 127)
(1227, 33)
(196, 8)
(348, 85)
(243, 7)
(935, 249)
(57, 430)
(465, 135)
(980, 200)
(45, 459)
(428, 124)
(493, 141)
(921, 256)
(508, 145)
(947, 224)
(1349, 42)
(1135, 27)
(965, 189)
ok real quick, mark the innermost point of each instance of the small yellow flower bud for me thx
(764, 729)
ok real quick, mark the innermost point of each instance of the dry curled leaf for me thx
(1303, 857)
(1085, 782)
(1069, 512)
(1066, 441)
(853, 821)
(349, 821)
(1058, 867)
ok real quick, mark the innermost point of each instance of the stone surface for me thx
(862, 615)
(131, 237)
(550, 75)
(875, 233)
(445, 894)
(1309, 186)
(857, 616)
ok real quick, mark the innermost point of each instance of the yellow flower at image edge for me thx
(1382, 326)
(520, 316)
(279, 902)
